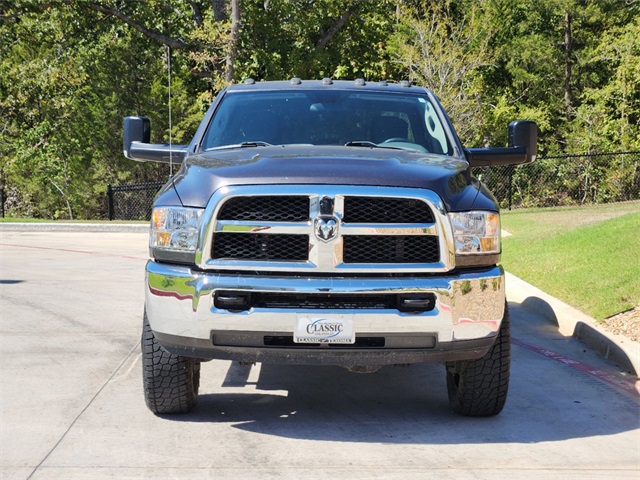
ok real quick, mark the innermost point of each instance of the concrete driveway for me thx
(72, 404)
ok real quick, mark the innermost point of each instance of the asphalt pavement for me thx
(72, 405)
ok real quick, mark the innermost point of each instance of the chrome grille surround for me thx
(325, 256)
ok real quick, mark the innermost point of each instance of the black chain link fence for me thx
(565, 180)
(548, 182)
(132, 201)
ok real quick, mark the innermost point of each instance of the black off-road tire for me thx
(170, 381)
(478, 388)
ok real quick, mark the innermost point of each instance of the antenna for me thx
(168, 54)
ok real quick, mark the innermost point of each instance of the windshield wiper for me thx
(367, 143)
(256, 143)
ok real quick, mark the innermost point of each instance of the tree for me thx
(543, 54)
(609, 114)
(61, 94)
(71, 70)
(316, 39)
(444, 46)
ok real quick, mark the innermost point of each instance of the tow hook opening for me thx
(416, 302)
(232, 301)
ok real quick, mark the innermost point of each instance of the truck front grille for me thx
(324, 228)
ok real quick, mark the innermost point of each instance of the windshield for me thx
(330, 117)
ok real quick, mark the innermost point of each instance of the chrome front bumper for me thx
(463, 324)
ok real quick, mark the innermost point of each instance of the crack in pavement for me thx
(75, 420)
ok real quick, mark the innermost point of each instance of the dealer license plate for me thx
(324, 329)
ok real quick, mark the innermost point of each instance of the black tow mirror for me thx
(524, 133)
(136, 146)
(136, 129)
(523, 147)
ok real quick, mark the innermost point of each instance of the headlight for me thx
(476, 232)
(175, 228)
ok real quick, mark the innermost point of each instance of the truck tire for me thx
(170, 381)
(478, 388)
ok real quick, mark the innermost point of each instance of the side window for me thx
(434, 127)
(213, 136)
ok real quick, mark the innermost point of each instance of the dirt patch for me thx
(625, 323)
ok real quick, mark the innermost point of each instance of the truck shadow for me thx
(408, 405)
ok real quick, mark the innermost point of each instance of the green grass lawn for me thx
(44, 220)
(588, 257)
(22, 220)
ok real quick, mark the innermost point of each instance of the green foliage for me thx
(609, 116)
(70, 71)
(208, 59)
(66, 82)
(565, 180)
(531, 67)
(281, 40)
(446, 51)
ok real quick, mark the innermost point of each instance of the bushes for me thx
(566, 180)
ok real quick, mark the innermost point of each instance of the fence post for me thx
(110, 201)
(511, 168)
(2, 201)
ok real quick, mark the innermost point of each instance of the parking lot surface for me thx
(72, 405)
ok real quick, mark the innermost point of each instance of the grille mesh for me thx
(390, 249)
(324, 301)
(386, 210)
(266, 209)
(260, 246)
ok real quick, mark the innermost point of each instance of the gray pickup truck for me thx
(326, 223)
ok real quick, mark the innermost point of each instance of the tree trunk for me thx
(337, 25)
(169, 42)
(196, 12)
(219, 10)
(233, 40)
(567, 65)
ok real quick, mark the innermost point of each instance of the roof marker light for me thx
(295, 81)
(249, 81)
(405, 83)
(327, 81)
(360, 82)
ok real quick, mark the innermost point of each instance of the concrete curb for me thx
(74, 227)
(571, 322)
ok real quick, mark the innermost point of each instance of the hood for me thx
(202, 174)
